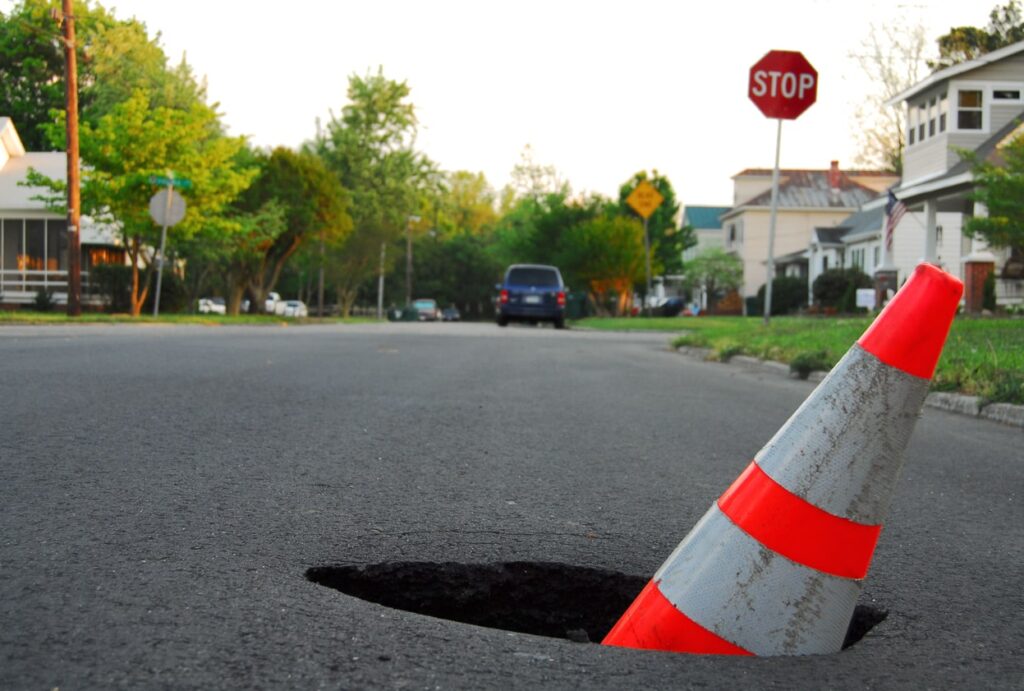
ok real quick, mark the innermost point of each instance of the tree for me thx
(115, 59)
(963, 43)
(606, 254)
(668, 242)
(370, 148)
(999, 185)
(135, 142)
(714, 271)
(892, 58)
(295, 198)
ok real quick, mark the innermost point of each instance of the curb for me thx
(971, 406)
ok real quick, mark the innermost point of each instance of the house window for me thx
(943, 112)
(969, 110)
(932, 116)
(878, 256)
(922, 116)
(824, 262)
(1006, 95)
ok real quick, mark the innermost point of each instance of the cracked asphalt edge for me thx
(972, 406)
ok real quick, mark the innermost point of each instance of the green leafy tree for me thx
(963, 43)
(295, 199)
(714, 271)
(135, 142)
(999, 185)
(370, 149)
(116, 58)
(668, 242)
(606, 255)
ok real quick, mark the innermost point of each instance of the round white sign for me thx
(164, 213)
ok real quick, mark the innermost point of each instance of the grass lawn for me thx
(982, 357)
(29, 317)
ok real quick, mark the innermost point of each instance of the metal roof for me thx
(704, 217)
(955, 70)
(810, 189)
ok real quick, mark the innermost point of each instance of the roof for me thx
(961, 175)
(864, 222)
(704, 217)
(956, 70)
(14, 197)
(767, 172)
(810, 189)
(830, 236)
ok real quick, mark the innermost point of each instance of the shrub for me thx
(113, 281)
(988, 292)
(789, 294)
(44, 301)
(838, 288)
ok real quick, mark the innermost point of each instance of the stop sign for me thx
(783, 84)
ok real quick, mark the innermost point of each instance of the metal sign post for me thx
(644, 199)
(783, 84)
(168, 209)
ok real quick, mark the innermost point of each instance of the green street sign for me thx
(164, 181)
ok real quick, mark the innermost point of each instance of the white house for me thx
(976, 105)
(33, 240)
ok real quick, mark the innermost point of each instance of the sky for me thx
(599, 90)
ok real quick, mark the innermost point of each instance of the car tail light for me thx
(561, 298)
(504, 297)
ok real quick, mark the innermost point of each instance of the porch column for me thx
(931, 234)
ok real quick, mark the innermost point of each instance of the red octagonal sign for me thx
(783, 84)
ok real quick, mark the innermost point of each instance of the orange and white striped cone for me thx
(776, 565)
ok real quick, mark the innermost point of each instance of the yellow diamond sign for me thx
(645, 199)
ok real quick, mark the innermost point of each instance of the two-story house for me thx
(808, 200)
(976, 105)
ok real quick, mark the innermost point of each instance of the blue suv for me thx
(531, 293)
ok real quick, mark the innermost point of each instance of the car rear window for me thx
(424, 304)
(533, 277)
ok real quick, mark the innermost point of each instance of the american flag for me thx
(894, 211)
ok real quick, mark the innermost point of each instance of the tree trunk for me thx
(235, 294)
(346, 299)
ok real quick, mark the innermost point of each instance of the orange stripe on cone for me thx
(796, 529)
(652, 622)
(907, 333)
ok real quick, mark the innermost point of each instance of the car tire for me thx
(502, 321)
(560, 323)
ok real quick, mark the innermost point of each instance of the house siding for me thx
(793, 232)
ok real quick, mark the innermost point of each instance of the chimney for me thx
(834, 177)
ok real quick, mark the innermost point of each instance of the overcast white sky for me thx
(599, 89)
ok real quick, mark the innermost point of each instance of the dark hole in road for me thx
(540, 598)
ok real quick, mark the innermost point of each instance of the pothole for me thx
(541, 598)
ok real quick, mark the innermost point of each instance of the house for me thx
(808, 200)
(976, 105)
(857, 241)
(707, 228)
(33, 239)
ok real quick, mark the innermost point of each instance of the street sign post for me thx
(783, 84)
(167, 208)
(644, 199)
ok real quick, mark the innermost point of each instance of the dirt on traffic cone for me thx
(776, 565)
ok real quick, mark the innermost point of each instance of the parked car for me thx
(427, 310)
(450, 314)
(531, 293)
(294, 308)
(212, 306)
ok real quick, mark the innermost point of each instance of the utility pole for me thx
(74, 196)
(320, 280)
(408, 258)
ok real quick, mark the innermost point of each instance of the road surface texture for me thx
(169, 493)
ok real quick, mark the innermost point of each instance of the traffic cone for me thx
(776, 565)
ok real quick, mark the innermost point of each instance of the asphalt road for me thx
(164, 490)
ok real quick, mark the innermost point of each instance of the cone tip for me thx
(911, 330)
